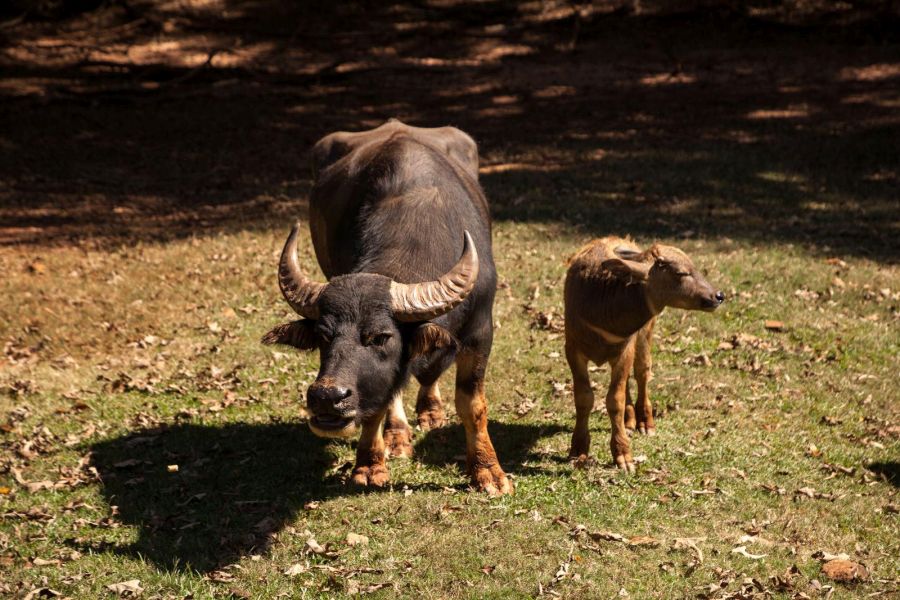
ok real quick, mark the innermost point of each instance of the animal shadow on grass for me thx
(514, 443)
(235, 486)
(890, 470)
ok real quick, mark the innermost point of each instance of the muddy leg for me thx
(397, 432)
(370, 468)
(429, 407)
(615, 406)
(483, 466)
(642, 365)
(584, 403)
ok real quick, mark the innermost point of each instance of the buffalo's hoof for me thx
(624, 462)
(398, 442)
(374, 476)
(582, 461)
(492, 480)
(431, 419)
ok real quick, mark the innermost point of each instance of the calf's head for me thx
(367, 328)
(671, 277)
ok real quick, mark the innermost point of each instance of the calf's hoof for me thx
(492, 480)
(398, 442)
(646, 429)
(431, 419)
(370, 476)
(624, 462)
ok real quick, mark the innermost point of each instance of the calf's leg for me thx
(483, 466)
(620, 367)
(584, 403)
(630, 418)
(370, 468)
(429, 407)
(397, 432)
(642, 365)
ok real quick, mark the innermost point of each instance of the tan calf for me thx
(614, 291)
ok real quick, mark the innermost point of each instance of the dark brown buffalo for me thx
(401, 230)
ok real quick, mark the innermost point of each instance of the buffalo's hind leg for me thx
(397, 432)
(584, 404)
(370, 469)
(471, 406)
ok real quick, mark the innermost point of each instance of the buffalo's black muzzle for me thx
(330, 405)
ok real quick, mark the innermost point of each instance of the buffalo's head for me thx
(367, 328)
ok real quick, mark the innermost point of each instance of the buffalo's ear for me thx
(299, 334)
(429, 337)
(626, 269)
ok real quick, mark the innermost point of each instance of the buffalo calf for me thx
(613, 294)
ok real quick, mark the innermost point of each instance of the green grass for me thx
(253, 483)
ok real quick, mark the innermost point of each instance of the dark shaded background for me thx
(135, 120)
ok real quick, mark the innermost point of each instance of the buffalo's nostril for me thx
(326, 397)
(720, 297)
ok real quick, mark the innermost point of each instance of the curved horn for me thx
(300, 292)
(431, 299)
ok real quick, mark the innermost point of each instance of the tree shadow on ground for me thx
(514, 442)
(650, 125)
(236, 485)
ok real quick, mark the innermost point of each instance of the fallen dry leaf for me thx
(691, 544)
(845, 570)
(126, 589)
(296, 569)
(642, 540)
(42, 593)
(313, 546)
(742, 550)
(354, 539)
(609, 536)
(775, 325)
(824, 556)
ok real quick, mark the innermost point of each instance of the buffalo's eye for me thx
(378, 340)
(682, 273)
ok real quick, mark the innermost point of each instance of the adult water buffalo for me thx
(401, 230)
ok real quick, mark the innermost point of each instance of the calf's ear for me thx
(626, 269)
(299, 334)
(429, 337)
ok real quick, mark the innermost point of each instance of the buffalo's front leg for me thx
(370, 468)
(397, 432)
(643, 362)
(483, 466)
